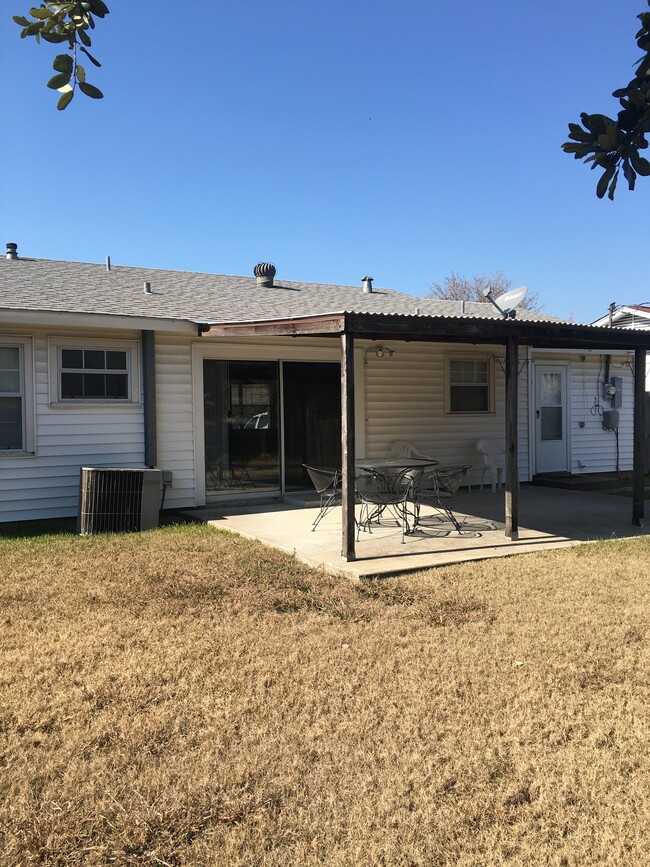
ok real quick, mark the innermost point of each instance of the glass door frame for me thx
(563, 451)
(301, 350)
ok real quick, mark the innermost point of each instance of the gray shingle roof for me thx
(77, 287)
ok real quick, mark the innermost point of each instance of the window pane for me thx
(72, 359)
(480, 371)
(241, 425)
(99, 385)
(11, 423)
(551, 423)
(9, 358)
(469, 371)
(469, 398)
(117, 386)
(10, 381)
(72, 386)
(116, 360)
(551, 389)
(94, 359)
(94, 385)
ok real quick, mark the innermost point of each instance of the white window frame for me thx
(25, 351)
(459, 356)
(131, 347)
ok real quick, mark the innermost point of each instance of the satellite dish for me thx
(509, 301)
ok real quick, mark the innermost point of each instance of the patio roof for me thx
(508, 330)
(462, 329)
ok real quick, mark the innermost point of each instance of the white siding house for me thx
(227, 409)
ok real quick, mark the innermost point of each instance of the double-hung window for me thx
(16, 421)
(469, 385)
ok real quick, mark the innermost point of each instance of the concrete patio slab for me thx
(549, 518)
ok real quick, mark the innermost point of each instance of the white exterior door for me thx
(551, 411)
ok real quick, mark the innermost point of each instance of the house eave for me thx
(66, 319)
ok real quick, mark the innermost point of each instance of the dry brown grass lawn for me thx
(185, 697)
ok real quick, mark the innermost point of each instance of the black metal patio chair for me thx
(437, 489)
(327, 482)
(379, 493)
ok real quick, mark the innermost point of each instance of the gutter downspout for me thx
(149, 398)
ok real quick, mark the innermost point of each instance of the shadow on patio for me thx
(549, 518)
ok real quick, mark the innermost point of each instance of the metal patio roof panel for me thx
(460, 329)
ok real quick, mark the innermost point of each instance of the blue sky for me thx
(335, 139)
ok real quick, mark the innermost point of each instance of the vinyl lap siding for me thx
(175, 418)
(591, 445)
(46, 485)
(405, 399)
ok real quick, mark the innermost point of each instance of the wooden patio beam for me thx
(638, 479)
(512, 469)
(348, 552)
(308, 327)
(380, 326)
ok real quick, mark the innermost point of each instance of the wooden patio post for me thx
(638, 481)
(512, 469)
(347, 445)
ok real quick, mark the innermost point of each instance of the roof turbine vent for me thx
(367, 285)
(12, 251)
(264, 273)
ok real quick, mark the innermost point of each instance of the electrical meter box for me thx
(610, 419)
(617, 397)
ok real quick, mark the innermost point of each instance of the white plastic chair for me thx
(405, 449)
(494, 460)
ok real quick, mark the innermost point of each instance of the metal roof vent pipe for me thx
(12, 251)
(264, 273)
(367, 285)
(147, 288)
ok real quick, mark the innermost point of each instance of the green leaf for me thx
(65, 100)
(33, 28)
(53, 37)
(20, 20)
(81, 73)
(84, 37)
(630, 174)
(63, 63)
(90, 90)
(98, 8)
(89, 56)
(640, 165)
(59, 80)
(42, 13)
(612, 188)
(605, 178)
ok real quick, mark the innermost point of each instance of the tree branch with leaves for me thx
(613, 145)
(66, 23)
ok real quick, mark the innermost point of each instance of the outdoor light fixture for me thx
(380, 351)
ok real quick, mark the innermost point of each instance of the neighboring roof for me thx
(77, 287)
(628, 316)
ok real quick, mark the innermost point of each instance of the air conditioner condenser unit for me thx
(118, 499)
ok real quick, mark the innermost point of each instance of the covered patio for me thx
(517, 526)
(553, 519)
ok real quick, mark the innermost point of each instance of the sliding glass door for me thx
(241, 411)
(312, 419)
(242, 423)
